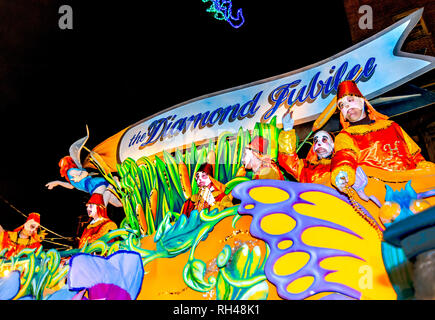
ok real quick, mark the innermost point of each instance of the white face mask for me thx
(250, 160)
(323, 145)
(351, 102)
(30, 227)
(92, 211)
(202, 179)
(247, 159)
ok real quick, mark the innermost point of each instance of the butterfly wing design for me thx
(319, 245)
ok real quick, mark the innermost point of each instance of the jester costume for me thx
(99, 227)
(217, 190)
(11, 240)
(373, 141)
(309, 170)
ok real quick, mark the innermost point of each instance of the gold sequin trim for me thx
(344, 142)
(367, 128)
(425, 164)
(287, 141)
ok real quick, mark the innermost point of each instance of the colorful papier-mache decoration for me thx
(25, 236)
(277, 240)
(9, 285)
(314, 253)
(218, 215)
(398, 206)
(116, 277)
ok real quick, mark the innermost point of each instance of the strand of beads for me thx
(350, 194)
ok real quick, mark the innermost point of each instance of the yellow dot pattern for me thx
(269, 195)
(277, 223)
(290, 263)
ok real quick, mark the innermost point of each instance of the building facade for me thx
(420, 122)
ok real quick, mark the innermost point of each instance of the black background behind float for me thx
(124, 61)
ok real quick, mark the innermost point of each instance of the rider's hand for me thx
(51, 185)
(341, 180)
(287, 121)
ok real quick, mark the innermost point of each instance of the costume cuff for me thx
(287, 141)
(350, 174)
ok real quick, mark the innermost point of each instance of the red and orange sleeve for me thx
(345, 157)
(287, 156)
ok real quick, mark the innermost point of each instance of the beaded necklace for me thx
(350, 194)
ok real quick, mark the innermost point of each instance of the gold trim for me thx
(96, 224)
(387, 181)
(345, 142)
(362, 129)
(287, 142)
(425, 164)
(321, 161)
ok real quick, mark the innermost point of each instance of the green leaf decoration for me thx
(241, 277)
(174, 177)
(194, 273)
(178, 156)
(164, 183)
(221, 155)
(179, 237)
(239, 147)
(229, 186)
(241, 273)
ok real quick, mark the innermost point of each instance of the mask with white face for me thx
(323, 144)
(202, 179)
(349, 102)
(92, 211)
(30, 227)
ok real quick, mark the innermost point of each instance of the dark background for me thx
(123, 61)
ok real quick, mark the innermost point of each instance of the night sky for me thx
(122, 62)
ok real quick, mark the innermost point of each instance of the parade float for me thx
(248, 236)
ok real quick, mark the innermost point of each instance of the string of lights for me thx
(24, 215)
(59, 244)
(222, 10)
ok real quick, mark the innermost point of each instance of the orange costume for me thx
(11, 240)
(309, 170)
(98, 227)
(377, 142)
(268, 168)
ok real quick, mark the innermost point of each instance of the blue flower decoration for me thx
(116, 277)
(10, 285)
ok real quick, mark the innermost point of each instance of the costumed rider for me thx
(316, 167)
(77, 177)
(25, 236)
(100, 224)
(369, 138)
(211, 193)
(255, 158)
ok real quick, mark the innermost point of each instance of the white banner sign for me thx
(310, 89)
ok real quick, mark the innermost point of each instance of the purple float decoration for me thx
(10, 285)
(117, 277)
(259, 210)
